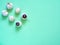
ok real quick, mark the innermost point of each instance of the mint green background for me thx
(41, 28)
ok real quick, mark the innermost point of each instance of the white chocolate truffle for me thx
(17, 10)
(9, 5)
(18, 24)
(4, 13)
(11, 18)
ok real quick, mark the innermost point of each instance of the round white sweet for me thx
(9, 5)
(4, 13)
(17, 10)
(18, 23)
(11, 18)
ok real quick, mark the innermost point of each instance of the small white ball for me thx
(11, 18)
(18, 23)
(4, 13)
(17, 10)
(9, 6)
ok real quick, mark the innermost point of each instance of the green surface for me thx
(41, 28)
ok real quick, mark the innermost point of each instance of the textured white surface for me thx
(11, 18)
(9, 5)
(17, 10)
(4, 13)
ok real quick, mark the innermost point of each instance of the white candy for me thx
(4, 13)
(17, 10)
(11, 18)
(18, 23)
(9, 5)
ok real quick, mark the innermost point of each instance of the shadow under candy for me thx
(10, 23)
(4, 17)
(18, 28)
(17, 14)
(9, 10)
